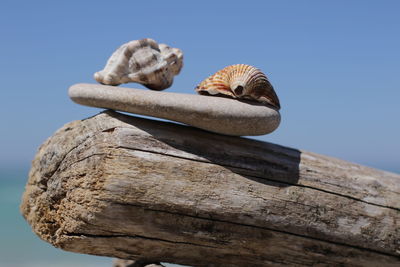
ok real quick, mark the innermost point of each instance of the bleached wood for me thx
(131, 188)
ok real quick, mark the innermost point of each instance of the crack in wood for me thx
(258, 177)
(135, 237)
(254, 226)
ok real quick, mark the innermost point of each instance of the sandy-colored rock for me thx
(215, 114)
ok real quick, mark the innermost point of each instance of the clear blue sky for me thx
(335, 65)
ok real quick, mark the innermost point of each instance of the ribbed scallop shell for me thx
(142, 61)
(240, 81)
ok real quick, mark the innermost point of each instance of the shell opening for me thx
(238, 90)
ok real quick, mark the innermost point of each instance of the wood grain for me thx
(132, 188)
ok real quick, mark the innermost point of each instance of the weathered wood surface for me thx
(131, 188)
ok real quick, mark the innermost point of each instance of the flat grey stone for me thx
(215, 114)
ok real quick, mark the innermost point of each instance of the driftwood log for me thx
(132, 188)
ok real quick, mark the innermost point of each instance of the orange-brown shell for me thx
(240, 81)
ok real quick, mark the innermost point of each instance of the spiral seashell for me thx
(240, 81)
(142, 61)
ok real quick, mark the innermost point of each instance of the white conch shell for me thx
(142, 61)
(240, 81)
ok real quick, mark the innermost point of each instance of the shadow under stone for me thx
(260, 161)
